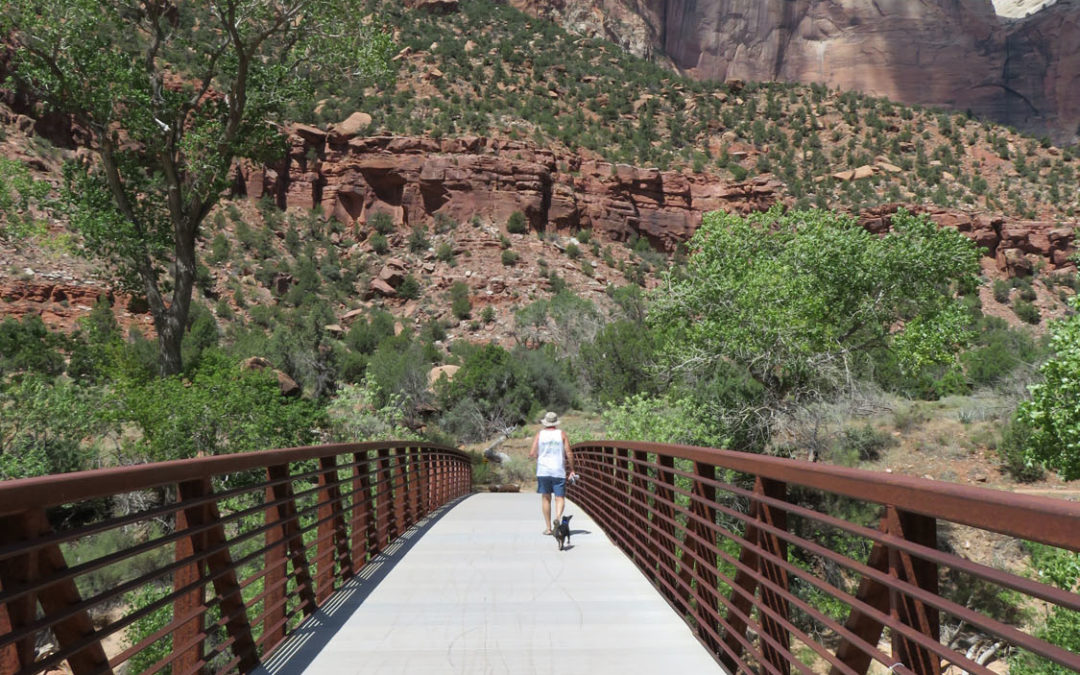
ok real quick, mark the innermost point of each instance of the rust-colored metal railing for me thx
(200, 565)
(753, 551)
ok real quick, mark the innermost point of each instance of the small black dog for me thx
(562, 531)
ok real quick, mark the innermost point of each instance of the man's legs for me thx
(560, 502)
(545, 508)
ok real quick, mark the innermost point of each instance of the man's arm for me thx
(535, 444)
(569, 453)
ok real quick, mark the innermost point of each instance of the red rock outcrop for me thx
(1016, 246)
(416, 179)
(956, 53)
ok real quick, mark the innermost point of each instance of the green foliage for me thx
(444, 252)
(382, 223)
(19, 194)
(1027, 311)
(418, 240)
(516, 224)
(28, 346)
(105, 65)
(1053, 413)
(43, 424)
(488, 314)
(460, 305)
(509, 258)
(617, 363)
(795, 299)
(379, 243)
(1061, 626)
(1002, 289)
(998, 351)
(148, 625)
(220, 249)
(222, 408)
(409, 288)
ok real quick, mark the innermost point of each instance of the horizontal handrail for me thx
(1043, 519)
(230, 569)
(723, 538)
(63, 488)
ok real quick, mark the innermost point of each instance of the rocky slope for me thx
(417, 179)
(954, 53)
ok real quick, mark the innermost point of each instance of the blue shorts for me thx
(545, 485)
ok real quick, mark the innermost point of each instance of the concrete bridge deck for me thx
(476, 588)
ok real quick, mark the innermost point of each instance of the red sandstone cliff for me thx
(954, 53)
(415, 179)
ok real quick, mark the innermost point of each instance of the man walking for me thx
(551, 450)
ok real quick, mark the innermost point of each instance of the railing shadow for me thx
(311, 637)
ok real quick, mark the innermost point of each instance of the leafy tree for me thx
(221, 409)
(172, 93)
(43, 424)
(1053, 413)
(795, 300)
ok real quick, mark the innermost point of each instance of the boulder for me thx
(438, 372)
(380, 287)
(351, 126)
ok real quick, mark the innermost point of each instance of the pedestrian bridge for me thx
(378, 558)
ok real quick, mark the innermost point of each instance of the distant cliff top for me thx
(1015, 9)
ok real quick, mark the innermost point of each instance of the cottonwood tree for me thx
(780, 306)
(172, 93)
(1053, 413)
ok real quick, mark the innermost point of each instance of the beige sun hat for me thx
(550, 420)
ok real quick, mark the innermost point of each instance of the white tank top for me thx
(550, 457)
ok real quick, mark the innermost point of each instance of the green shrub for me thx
(379, 243)
(488, 314)
(409, 288)
(382, 223)
(572, 251)
(584, 236)
(1001, 291)
(418, 241)
(460, 305)
(1012, 453)
(1027, 311)
(219, 249)
(509, 258)
(444, 252)
(516, 224)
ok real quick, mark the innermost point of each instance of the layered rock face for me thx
(417, 179)
(955, 53)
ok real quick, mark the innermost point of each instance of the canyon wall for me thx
(416, 179)
(954, 53)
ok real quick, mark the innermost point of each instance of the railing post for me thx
(706, 590)
(759, 541)
(363, 513)
(192, 633)
(290, 531)
(333, 547)
(776, 547)
(902, 566)
(422, 483)
(922, 573)
(401, 489)
(21, 570)
(220, 567)
(640, 507)
(275, 562)
(664, 532)
(384, 510)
